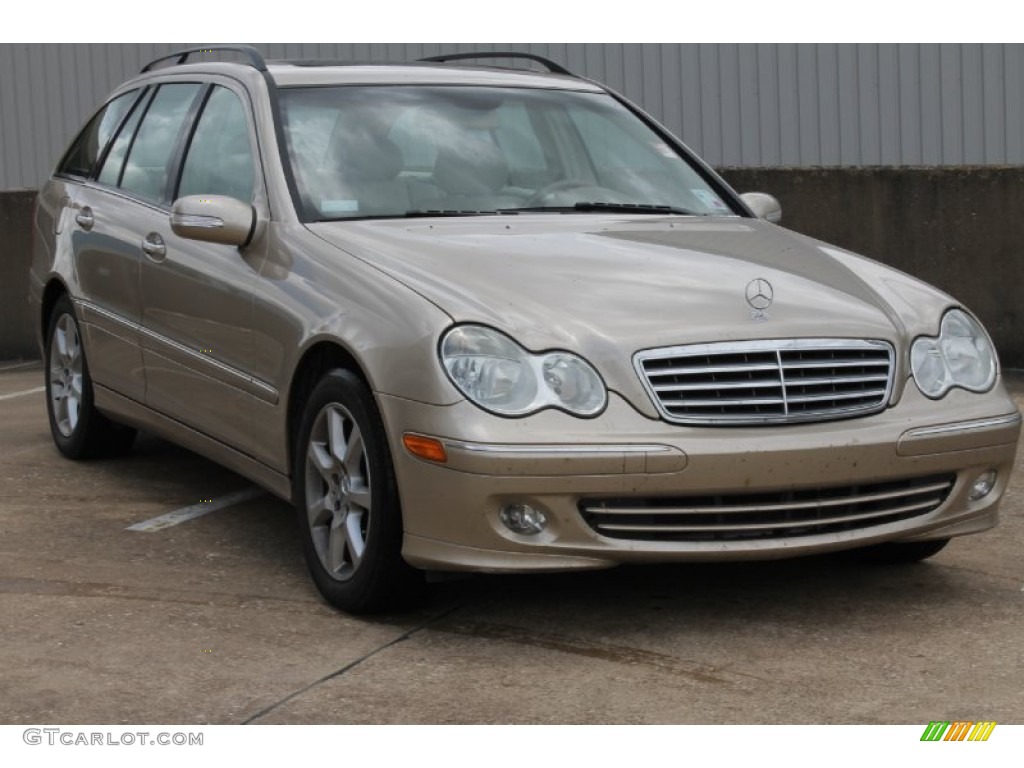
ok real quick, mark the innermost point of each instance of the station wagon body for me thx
(477, 318)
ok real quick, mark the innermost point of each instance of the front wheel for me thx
(79, 430)
(347, 502)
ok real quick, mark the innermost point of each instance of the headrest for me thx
(475, 166)
(363, 155)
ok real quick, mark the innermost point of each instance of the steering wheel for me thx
(548, 195)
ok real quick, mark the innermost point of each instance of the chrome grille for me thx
(781, 514)
(764, 382)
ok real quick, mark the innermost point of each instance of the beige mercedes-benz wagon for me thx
(495, 319)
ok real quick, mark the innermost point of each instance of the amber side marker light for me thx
(425, 448)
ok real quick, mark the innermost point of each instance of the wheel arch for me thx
(321, 356)
(55, 288)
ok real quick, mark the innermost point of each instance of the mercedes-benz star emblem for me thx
(760, 294)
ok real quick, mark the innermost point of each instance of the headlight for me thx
(961, 356)
(500, 376)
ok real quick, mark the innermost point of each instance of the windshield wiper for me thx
(588, 206)
(632, 208)
(431, 213)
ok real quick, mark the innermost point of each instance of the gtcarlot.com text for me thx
(69, 738)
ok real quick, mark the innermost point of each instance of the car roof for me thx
(435, 70)
(288, 74)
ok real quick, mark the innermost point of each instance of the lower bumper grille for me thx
(780, 514)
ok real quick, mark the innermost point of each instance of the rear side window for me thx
(110, 173)
(219, 159)
(148, 165)
(81, 158)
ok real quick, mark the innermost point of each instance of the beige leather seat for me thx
(361, 177)
(473, 175)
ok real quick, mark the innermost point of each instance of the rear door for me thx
(106, 262)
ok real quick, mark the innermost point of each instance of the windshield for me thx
(383, 151)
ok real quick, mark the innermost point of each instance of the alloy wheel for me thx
(338, 496)
(66, 375)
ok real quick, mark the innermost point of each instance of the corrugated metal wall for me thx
(737, 105)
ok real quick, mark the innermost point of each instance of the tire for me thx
(79, 430)
(897, 552)
(349, 516)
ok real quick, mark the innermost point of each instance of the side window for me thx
(147, 167)
(86, 150)
(219, 159)
(110, 173)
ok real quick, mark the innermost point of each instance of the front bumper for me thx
(552, 461)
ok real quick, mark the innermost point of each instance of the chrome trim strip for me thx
(230, 375)
(107, 314)
(967, 426)
(562, 460)
(782, 381)
(590, 450)
(756, 384)
(196, 221)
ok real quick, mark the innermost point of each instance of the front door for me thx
(197, 297)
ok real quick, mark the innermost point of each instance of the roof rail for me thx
(254, 56)
(553, 67)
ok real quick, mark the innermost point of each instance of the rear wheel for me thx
(901, 551)
(347, 503)
(79, 430)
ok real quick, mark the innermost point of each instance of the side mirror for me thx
(213, 219)
(764, 206)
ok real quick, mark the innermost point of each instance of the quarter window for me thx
(86, 150)
(220, 160)
(149, 159)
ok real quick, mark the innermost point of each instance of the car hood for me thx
(606, 287)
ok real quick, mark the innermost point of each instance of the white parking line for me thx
(22, 394)
(16, 366)
(195, 510)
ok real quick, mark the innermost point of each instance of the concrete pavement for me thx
(215, 621)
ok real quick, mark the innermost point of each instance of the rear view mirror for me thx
(764, 206)
(213, 219)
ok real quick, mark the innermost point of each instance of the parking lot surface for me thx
(214, 620)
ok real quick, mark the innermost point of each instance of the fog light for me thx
(982, 486)
(523, 519)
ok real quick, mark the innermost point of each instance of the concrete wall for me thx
(960, 229)
(17, 337)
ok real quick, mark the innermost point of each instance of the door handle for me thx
(85, 219)
(154, 247)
